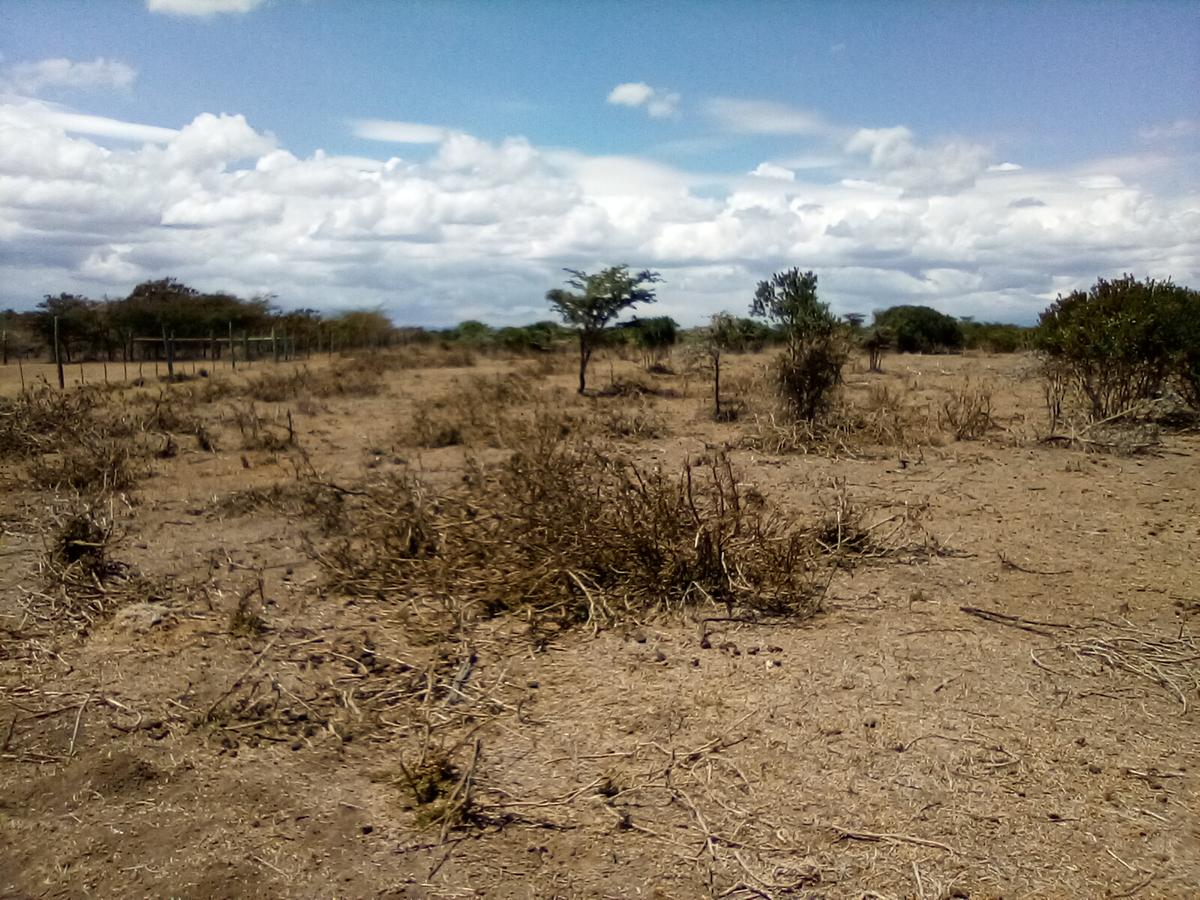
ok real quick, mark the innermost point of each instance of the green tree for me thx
(80, 324)
(812, 367)
(654, 337)
(595, 301)
(921, 329)
(788, 300)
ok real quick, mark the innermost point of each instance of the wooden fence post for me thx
(169, 349)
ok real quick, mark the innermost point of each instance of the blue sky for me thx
(445, 160)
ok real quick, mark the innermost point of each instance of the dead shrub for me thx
(628, 387)
(967, 412)
(82, 440)
(82, 583)
(93, 463)
(303, 497)
(573, 532)
(258, 433)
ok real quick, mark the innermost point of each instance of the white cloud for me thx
(220, 204)
(202, 8)
(896, 159)
(79, 123)
(33, 78)
(1004, 167)
(398, 132)
(766, 117)
(770, 170)
(658, 103)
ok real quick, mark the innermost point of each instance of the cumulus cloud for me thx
(37, 77)
(220, 204)
(395, 132)
(770, 170)
(896, 159)
(202, 8)
(658, 103)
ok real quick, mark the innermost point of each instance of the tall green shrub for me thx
(1122, 341)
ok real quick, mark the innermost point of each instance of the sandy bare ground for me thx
(1006, 706)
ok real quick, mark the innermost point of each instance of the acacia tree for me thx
(876, 341)
(595, 301)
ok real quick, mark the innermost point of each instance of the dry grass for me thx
(572, 531)
(422, 707)
(503, 411)
(967, 412)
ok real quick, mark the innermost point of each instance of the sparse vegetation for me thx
(590, 587)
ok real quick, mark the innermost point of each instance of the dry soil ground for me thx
(226, 725)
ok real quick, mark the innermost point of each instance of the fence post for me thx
(4, 341)
(169, 347)
(62, 382)
(274, 347)
(232, 350)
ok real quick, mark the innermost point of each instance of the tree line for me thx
(135, 326)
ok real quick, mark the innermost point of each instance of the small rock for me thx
(639, 636)
(659, 656)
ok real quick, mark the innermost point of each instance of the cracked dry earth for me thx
(1011, 715)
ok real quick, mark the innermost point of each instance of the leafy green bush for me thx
(995, 337)
(920, 329)
(1123, 341)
